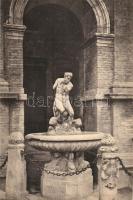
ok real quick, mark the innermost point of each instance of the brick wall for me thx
(104, 116)
(4, 126)
(105, 64)
(90, 116)
(122, 124)
(123, 40)
(90, 59)
(97, 116)
(14, 61)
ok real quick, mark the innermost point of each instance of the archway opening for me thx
(52, 46)
(55, 41)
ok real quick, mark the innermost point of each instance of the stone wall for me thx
(4, 127)
(90, 60)
(90, 116)
(123, 40)
(122, 124)
(122, 107)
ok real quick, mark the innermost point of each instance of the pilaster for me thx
(14, 56)
(14, 72)
(98, 83)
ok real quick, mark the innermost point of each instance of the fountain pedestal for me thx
(75, 187)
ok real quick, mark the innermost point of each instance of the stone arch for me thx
(101, 13)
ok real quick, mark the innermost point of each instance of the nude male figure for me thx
(62, 105)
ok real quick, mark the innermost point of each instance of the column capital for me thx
(13, 30)
(108, 145)
(101, 39)
(105, 39)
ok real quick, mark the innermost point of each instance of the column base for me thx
(74, 187)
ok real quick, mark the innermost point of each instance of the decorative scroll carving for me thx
(109, 172)
(108, 168)
(108, 144)
(16, 138)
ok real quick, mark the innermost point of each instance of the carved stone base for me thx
(74, 187)
(16, 173)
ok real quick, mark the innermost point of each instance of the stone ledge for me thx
(119, 96)
(13, 95)
(95, 94)
(121, 90)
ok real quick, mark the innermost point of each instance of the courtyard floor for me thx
(123, 194)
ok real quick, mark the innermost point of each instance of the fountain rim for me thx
(84, 136)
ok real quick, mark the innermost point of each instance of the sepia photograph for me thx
(66, 99)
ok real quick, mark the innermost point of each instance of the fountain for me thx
(68, 175)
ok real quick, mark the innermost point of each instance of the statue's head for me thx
(67, 77)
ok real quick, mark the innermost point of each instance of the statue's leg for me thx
(70, 110)
(59, 105)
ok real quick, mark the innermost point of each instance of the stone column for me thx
(16, 170)
(108, 169)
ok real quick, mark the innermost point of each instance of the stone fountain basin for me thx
(65, 143)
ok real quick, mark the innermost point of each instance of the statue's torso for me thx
(61, 94)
